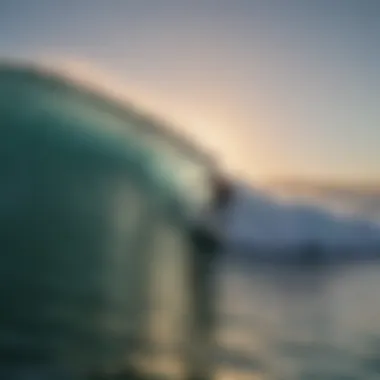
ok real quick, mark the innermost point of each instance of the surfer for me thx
(207, 243)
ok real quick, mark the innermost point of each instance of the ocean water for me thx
(293, 324)
(273, 323)
(298, 323)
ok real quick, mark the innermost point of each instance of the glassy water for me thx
(289, 323)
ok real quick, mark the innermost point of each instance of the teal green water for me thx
(83, 195)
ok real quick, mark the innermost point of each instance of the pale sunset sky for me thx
(275, 88)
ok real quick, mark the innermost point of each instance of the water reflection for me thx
(286, 324)
(298, 324)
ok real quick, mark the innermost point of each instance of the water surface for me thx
(299, 323)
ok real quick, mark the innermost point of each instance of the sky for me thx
(274, 88)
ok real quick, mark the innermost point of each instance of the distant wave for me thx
(258, 217)
(357, 200)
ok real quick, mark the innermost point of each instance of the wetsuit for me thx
(206, 240)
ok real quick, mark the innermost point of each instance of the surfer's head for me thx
(222, 191)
